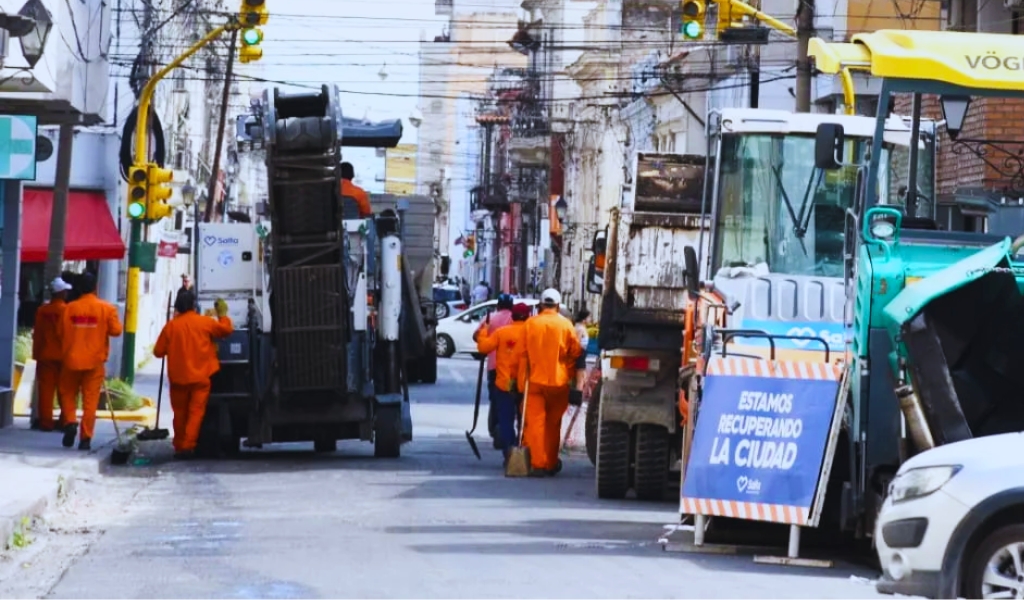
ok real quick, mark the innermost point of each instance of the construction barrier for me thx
(762, 433)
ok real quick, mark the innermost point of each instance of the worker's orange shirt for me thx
(552, 348)
(508, 343)
(46, 332)
(187, 342)
(353, 191)
(86, 329)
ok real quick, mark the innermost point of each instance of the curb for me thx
(34, 508)
(145, 416)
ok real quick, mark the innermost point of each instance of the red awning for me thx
(90, 234)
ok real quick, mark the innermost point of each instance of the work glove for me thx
(575, 397)
(221, 307)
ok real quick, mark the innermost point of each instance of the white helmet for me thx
(551, 297)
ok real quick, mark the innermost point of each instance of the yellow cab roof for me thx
(971, 60)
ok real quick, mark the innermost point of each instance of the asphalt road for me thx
(286, 523)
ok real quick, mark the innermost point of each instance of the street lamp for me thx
(560, 209)
(188, 194)
(33, 41)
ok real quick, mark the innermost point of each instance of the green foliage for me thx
(23, 346)
(19, 537)
(122, 396)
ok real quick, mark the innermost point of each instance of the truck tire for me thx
(325, 445)
(428, 368)
(412, 371)
(613, 460)
(651, 470)
(593, 418)
(387, 432)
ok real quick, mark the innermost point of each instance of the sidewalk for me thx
(37, 473)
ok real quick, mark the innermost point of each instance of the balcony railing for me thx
(493, 198)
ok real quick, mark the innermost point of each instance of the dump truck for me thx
(318, 296)
(632, 422)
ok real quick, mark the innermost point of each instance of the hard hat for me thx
(58, 285)
(551, 296)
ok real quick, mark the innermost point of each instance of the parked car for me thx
(448, 301)
(952, 525)
(455, 334)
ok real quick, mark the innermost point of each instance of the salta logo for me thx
(212, 240)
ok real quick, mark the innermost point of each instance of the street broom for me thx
(123, 450)
(152, 435)
(518, 464)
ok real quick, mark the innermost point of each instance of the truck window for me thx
(777, 211)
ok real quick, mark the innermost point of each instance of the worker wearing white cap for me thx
(47, 352)
(552, 348)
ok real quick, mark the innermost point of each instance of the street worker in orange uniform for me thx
(187, 342)
(47, 352)
(351, 191)
(552, 349)
(509, 345)
(88, 325)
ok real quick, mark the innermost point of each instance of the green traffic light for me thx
(692, 30)
(136, 210)
(251, 37)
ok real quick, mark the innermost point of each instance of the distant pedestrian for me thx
(186, 288)
(580, 324)
(481, 293)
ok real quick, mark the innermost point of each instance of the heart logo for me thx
(741, 483)
(210, 240)
(804, 331)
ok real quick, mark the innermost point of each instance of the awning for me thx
(90, 233)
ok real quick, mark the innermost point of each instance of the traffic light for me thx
(159, 193)
(251, 15)
(725, 18)
(138, 183)
(692, 26)
(470, 245)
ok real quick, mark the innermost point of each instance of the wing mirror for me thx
(829, 142)
(595, 278)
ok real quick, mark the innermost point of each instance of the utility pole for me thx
(225, 98)
(754, 61)
(804, 32)
(59, 212)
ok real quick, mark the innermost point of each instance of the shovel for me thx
(476, 408)
(152, 435)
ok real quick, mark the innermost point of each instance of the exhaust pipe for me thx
(910, 405)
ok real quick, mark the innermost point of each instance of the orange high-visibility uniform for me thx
(509, 346)
(187, 342)
(47, 352)
(354, 192)
(552, 347)
(86, 329)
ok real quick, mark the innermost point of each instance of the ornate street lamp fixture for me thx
(33, 41)
(560, 209)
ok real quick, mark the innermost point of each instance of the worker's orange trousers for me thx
(189, 405)
(543, 410)
(89, 383)
(47, 381)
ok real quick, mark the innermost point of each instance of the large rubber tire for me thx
(428, 369)
(445, 346)
(651, 462)
(325, 445)
(442, 310)
(387, 432)
(613, 460)
(592, 419)
(987, 552)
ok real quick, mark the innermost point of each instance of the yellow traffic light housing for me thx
(138, 184)
(250, 50)
(159, 193)
(725, 19)
(470, 245)
(253, 13)
(692, 25)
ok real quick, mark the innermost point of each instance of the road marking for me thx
(456, 375)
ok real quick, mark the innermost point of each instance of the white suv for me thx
(952, 525)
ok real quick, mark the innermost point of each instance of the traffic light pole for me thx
(131, 304)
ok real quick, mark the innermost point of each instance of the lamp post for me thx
(560, 209)
(188, 199)
(33, 41)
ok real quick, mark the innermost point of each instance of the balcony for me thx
(493, 198)
(531, 136)
(65, 82)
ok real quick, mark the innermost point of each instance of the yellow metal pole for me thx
(745, 9)
(141, 156)
(849, 95)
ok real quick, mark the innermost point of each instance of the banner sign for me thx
(761, 436)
